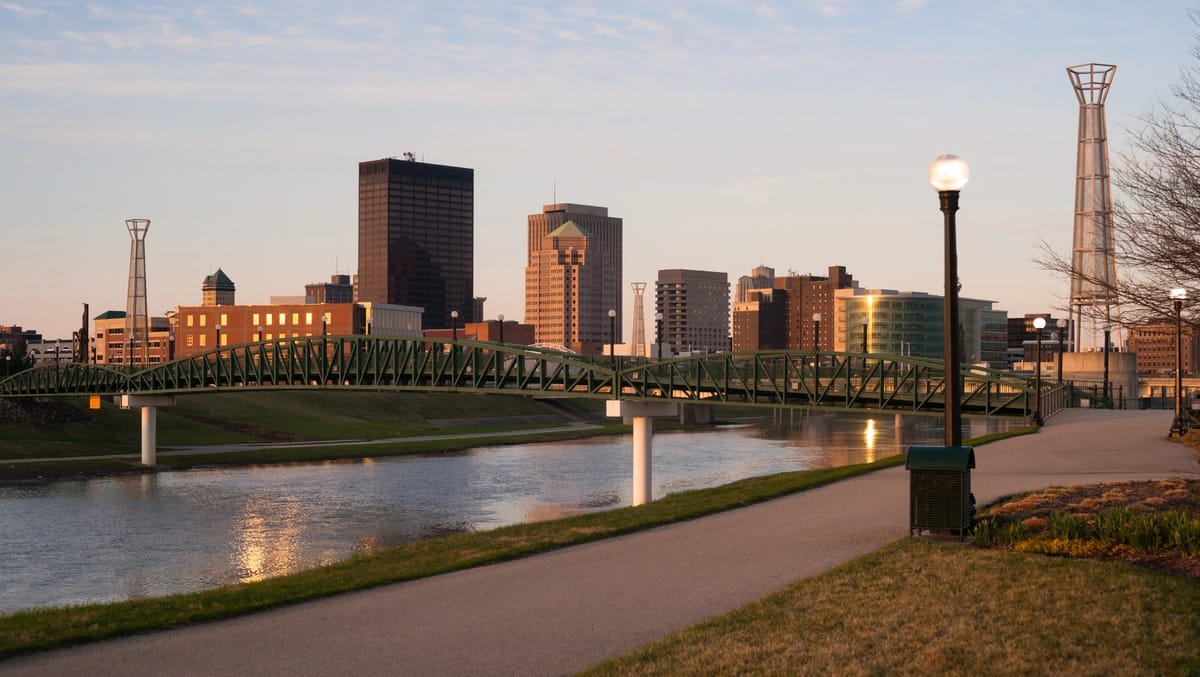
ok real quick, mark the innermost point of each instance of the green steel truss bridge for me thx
(827, 380)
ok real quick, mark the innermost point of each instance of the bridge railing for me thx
(776, 378)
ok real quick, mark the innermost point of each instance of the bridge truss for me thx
(827, 380)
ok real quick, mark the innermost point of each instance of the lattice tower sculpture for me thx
(1094, 302)
(137, 318)
(639, 320)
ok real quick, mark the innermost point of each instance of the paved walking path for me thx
(569, 609)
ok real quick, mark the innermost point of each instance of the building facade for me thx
(605, 237)
(695, 310)
(564, 291)
(1154, 346)
(762, 277)
(337, 290)
(416, 237)
(11, 333)
(760, 322)
(808, 296)
(911, 323)
(200, 328)
(109, 344)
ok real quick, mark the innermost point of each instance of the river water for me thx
(128, 537)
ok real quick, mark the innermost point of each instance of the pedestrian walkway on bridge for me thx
(569, 609)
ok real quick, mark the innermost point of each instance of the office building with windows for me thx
(603, 290)
(695, 309)
(416, 237)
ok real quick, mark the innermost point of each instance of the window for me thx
(308, 318)
(282, 319)
(255, 320)
(295, 318)
(270, 319)
(203, 340)
(190, 340)
(224, 320)
(203, 322)
(189, 320)
(224, 339)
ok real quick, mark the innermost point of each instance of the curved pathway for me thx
(566, 610)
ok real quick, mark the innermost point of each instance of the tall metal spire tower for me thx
(639, 320)
(1094, 302)
(137, 318)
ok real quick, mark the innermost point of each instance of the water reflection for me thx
(129, 537)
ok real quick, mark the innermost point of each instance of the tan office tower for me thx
(563, 285)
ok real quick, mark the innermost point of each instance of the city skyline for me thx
(725, 134)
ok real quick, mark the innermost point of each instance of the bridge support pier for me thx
(149, 405)
(641, 415)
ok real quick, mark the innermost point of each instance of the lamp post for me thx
(1062, 332)
(7, 366)
(218, 336)
(1107, 350)
(816, 317)
(948, 174)
(260, 333)
(612, 335)
(501, 319)
(324, 325)
(170, 348)
(1179, 425)
(454, 324)
(1039, 324)
(865, 322)
(658, 321)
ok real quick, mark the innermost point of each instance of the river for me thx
(119, 538)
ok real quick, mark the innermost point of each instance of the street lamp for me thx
(501, 319)
(260, 333)
(1179, 425)
(612, 334)
(324, 325)
(454, 324)
(865, 322)
(948, 174)
(658, 321)
(1062, 332)
(218, 336)
(1039, 324)
(7, 366)
(816, 331)
(170, 348)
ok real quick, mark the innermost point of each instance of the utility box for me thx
(940, 495)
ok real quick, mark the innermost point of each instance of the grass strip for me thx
(40, 629)
(927, 607)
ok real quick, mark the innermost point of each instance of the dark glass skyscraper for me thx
(416, 237)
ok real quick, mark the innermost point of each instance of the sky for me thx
(726, 134)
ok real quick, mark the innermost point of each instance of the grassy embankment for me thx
(279, 417)
(922, 607)
(47, 628)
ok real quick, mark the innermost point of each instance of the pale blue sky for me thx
(727, 134)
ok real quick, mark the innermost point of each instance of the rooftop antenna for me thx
(555, 196)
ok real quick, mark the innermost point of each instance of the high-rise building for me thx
(604, 235)
(563, 291)
(762, 277)
(1154, 346)
(695, 309)
(337, 290)
(806, 297)
(416, 237)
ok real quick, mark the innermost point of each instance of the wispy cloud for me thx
(21, 9)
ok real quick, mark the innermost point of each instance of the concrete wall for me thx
(1089, 367)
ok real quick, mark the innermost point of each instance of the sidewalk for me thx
(569, 609)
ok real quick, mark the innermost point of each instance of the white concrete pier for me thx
(149, 405)
(640, 415)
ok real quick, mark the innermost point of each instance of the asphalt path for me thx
(566, 610)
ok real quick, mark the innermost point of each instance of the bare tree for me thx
(1156, 218)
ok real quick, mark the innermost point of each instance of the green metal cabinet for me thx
(940, 489)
